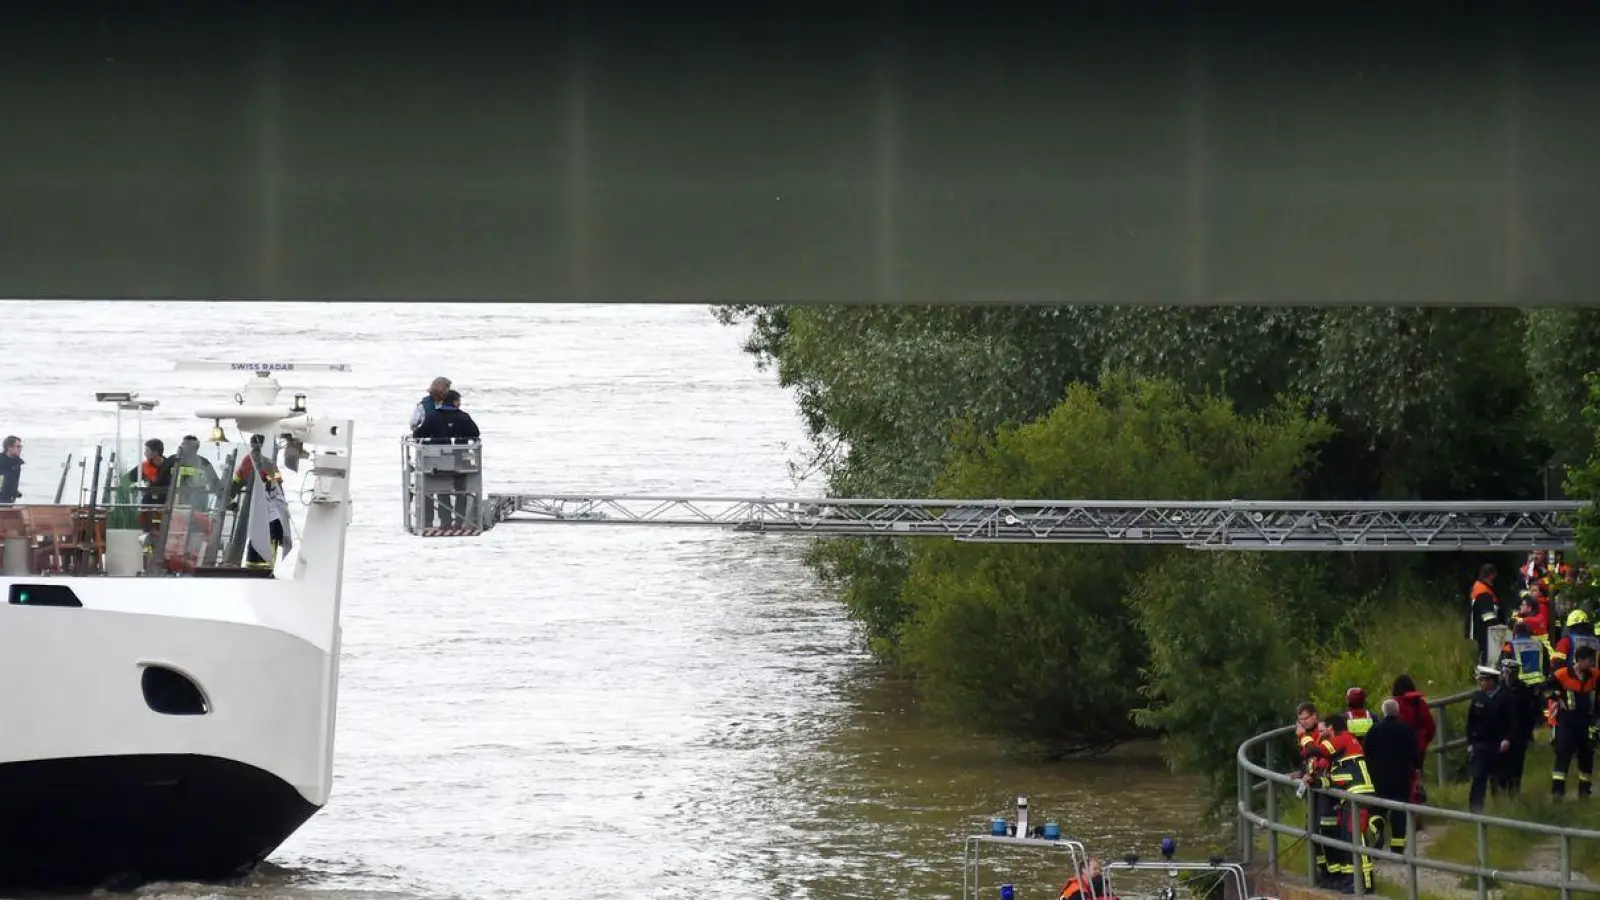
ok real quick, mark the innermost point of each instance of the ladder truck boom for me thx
(444, 497)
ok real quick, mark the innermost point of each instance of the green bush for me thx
(1223, 662)
(1057, 644)
(1036, 641)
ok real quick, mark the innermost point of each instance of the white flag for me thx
(280, 511)
(260, 530)
(268, 503)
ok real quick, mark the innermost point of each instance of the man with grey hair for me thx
(436, 392)
(1392, 757)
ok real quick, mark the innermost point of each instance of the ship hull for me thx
(121, 820)
(160, 729)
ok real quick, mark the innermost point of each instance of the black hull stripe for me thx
(85, 822)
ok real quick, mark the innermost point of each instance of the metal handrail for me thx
(1249, 820)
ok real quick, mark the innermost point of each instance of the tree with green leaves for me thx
(1583, 481)
(1417, 403)
(1036, 641)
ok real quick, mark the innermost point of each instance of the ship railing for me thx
(972, 888)
(93, 523)
(45, 539)
(442, 487)
(102, 529)
(1273, 749)
(1182, 878)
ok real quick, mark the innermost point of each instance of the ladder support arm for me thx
(1222, 525)
(443, 496)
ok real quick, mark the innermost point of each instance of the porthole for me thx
(172, 693)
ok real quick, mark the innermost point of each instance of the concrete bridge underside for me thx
(1396, 153)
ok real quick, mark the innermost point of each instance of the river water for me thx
(554, 711)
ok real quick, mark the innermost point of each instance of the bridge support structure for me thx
(445, 498)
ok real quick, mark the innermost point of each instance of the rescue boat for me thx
(169, 712)
(1086, 876)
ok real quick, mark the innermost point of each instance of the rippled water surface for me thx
(558, 711)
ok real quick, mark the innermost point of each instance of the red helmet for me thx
(1355, 698)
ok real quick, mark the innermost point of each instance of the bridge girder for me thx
(701, 152)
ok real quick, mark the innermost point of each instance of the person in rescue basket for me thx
(430, 401)
(448, 423)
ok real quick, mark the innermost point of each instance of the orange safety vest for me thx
(1569, 688)
(1075, 889)
(1478, 590)
(149, 470)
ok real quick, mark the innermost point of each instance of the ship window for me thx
(172, 693)
(44, 595)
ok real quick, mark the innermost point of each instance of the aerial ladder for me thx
(443, 496)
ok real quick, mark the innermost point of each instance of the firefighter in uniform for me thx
(1572, 711)
(194, 486)
(1316, 758)
(1349, 774)
(1535, 612)
(1579, 633)
(1484, 611)
(1357, 718)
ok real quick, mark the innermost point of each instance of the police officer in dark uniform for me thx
(1488, 733)
(1526, 712)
